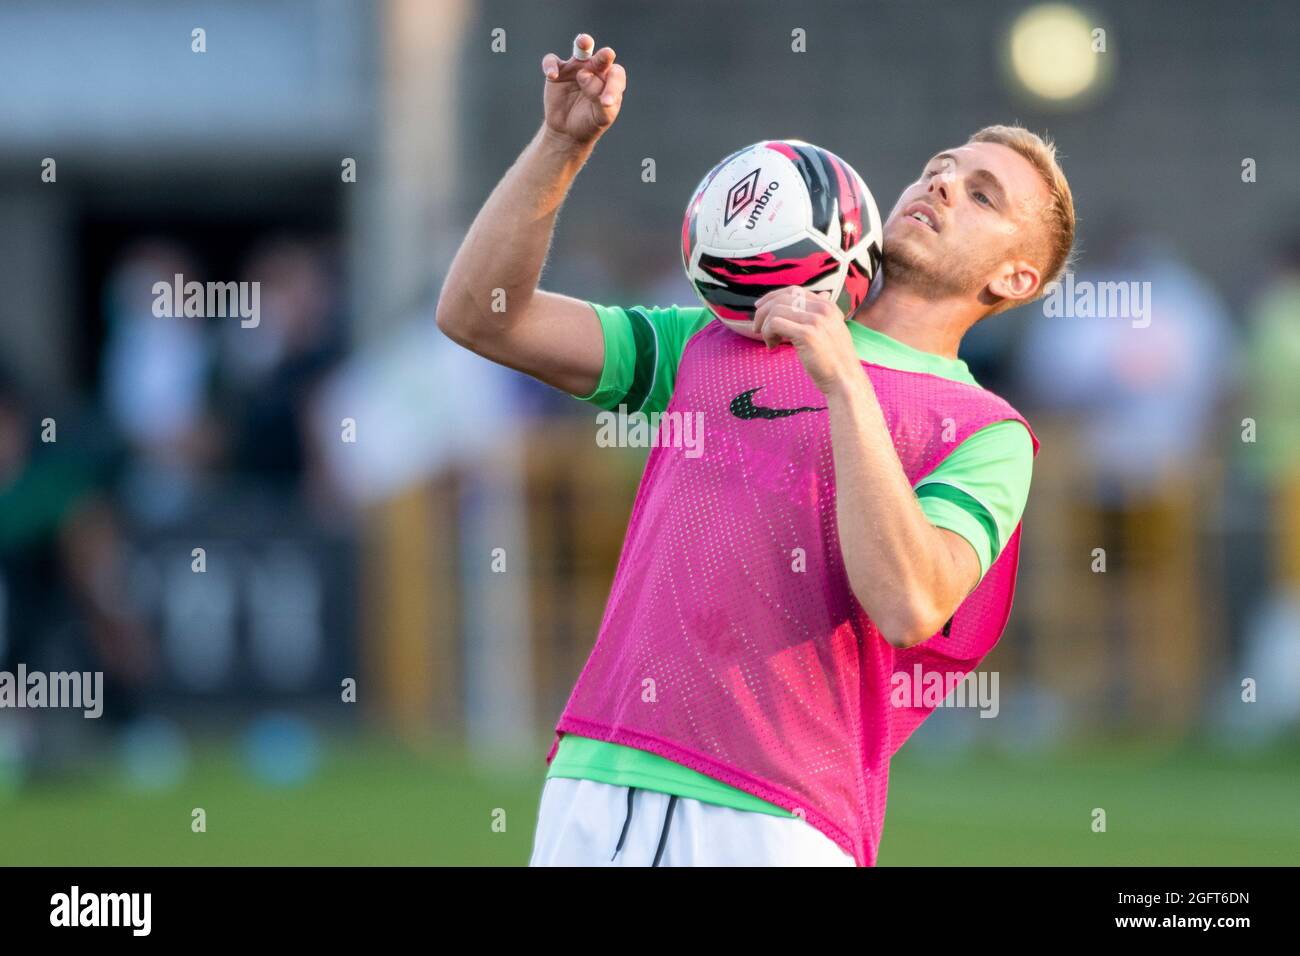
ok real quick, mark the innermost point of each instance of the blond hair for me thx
(1059, 215)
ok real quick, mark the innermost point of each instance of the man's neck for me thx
(931, 325)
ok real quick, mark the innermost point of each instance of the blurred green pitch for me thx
(373, 803)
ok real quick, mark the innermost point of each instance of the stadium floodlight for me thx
(1055, 53)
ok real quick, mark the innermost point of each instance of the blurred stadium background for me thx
(329, 559)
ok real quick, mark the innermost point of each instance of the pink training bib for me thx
(717, 651)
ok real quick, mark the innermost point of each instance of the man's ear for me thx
(1018, 280)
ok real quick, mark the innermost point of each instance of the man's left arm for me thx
(909, 575)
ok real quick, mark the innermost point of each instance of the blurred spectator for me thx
(274, 368)
(1141, 392)
(62, 562)
(156, 377)
(1273, 401)
(1143, 389)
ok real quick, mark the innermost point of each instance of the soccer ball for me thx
(776, 214)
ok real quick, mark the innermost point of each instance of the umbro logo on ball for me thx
(740, 195)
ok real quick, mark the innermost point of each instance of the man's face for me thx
(985, 205)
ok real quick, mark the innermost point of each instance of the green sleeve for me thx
(979, 491)
(643, 346)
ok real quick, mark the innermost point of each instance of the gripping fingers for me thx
(763, 316)
(780, 328)
(770, 309)
(796, 296)
(777, 295)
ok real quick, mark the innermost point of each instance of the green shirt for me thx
(978, 492)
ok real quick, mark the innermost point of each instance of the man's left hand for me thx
(816, 328)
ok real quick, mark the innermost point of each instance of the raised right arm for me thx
(554, 338)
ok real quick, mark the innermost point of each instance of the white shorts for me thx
(585, 823)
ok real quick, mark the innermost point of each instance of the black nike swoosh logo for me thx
(742, 406)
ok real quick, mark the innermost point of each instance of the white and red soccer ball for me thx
(776, 214)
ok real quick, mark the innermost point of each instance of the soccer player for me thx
(852, 523)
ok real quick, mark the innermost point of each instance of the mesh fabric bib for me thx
(732, 643)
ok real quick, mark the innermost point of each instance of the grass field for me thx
(374, 803)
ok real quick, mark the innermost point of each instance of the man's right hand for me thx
(555, 338)
(582, 97)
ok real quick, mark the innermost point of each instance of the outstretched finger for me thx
(579, 60)
(583, 44)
